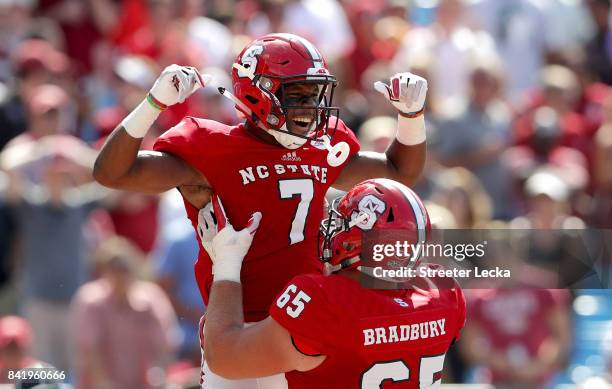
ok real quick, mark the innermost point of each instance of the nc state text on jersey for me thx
(252, 173)
(404, 333)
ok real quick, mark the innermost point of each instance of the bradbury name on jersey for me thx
(252, 173)
(404, 333)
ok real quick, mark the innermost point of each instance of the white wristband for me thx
(227, 270)
(410, 131)
(138, 122)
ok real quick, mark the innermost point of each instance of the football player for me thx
(329, 331)
(281, 161)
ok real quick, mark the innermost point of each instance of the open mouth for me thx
(302, 122)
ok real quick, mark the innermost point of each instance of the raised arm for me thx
(404, 160)
(121, 165)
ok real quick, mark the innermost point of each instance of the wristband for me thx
(227, 269)
(138, 122)
(411, 130)
(412, 115)
(156, 103)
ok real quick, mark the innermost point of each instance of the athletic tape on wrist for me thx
(410, 131)
(227, 270)
(138, 122)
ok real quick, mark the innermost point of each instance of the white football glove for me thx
(407, 93)
(226, 246)
(176, 83)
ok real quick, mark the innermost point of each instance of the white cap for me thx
(135, 70)
(546, 182)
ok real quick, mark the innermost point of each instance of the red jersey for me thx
(520, 335)
(287, 186)
(371, 338)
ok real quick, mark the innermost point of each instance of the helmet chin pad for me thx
(287, 140)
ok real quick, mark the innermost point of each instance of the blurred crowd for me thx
(519, 122)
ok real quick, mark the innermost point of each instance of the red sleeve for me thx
(303, 310)
(198, 142)
(191, 144)
(183, 141)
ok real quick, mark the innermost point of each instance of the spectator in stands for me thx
(35, 62)
(554, 243)
(560, 92)
(177, 254)
(8, 240)
(124, 327)
(520, 29)
(517, 333)
(600, 213)
(598, 49)
(449, 40)
(544, 145)
(15, 343)
(548, 206)
(461, 193)
(477, 135)
(375, 133)
(47, 111)
(52, 194)
(79, 26)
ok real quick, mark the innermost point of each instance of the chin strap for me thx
(343, 265)
(287, 140)
(241, 106)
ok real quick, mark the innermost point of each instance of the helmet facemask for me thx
(296, 117)
(348, 248)
(306, 105)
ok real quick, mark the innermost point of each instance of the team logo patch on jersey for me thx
(291, 157)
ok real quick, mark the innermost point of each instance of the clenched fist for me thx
(176, 83)
(406, 93)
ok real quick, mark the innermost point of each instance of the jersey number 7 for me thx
(289, 189)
